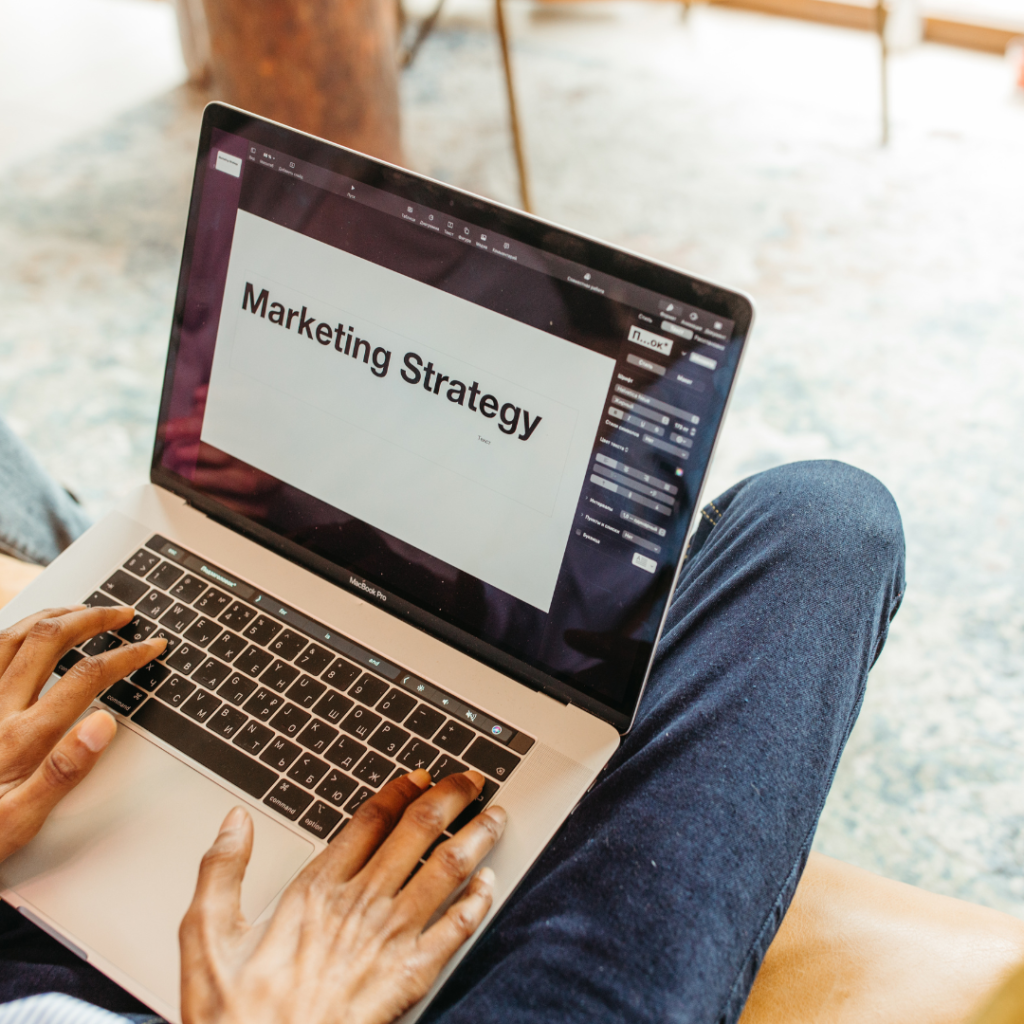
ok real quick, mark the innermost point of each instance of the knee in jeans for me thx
(840, 510)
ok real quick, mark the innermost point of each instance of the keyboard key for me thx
(154, 604)
(341, 674)
(288, 799)
(490, 758)
(287, 645)
(362, 795)
(280, 675)
(123, 697)
(389, 739)
(175, 691)
(178, 617)
(98, 600)
(305, 691)
(308, 771)
(165, 576)
(320, 819)
(360, 723)
(454, 737)
(226, 722)
(136, 630)
(264, 704)
(396, 705)
(101, 644)
(290, 720)
(317, 736)
(238, 615)
(444, 766)
(345, 753)
(200, 706)
(162, 633)
(425, 721)
(150, 676)
(187, 589)
(186, 659)
(203, 746)
(212, 603)
(211, 673)
(336, 787)
(253, 661)
(280, 753)
(227, 646)
(124, 588)
(418, 754)
(253, 737)
(261, 630)
(373, 769)
(368, 690)
(314, 659)
(141, 562)
(236, 689)
(332, 707)
(203, 631)
(69, 662)
(475, 807)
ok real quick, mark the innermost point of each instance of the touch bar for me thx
(432, 695)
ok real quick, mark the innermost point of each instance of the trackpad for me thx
(115, 865)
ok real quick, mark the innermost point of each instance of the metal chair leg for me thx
(517, 141)
(880, 16)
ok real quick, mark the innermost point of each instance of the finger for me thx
(370, 826)
(216, 906)
(49, 717)
(46, 642)
(421, 825)
(26, 807)
(451, 864)
(12, 637)
(441, 941)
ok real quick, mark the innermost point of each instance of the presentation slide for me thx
(460, 431)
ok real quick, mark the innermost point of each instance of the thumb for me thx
(24, 809)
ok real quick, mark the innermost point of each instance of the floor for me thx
(887, 281)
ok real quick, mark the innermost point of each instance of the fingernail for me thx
(234, 819)
(476, 778)
(486, 876)
(154, 641)
(421, 777)
(97, 731)
(498, 816)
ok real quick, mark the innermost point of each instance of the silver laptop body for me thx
(422, 480)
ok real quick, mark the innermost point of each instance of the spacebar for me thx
(193, 740)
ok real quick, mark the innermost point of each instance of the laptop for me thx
(423, 475)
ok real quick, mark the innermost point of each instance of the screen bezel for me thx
(533, 231)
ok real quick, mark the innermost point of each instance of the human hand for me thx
(37, 766)
(346, 944)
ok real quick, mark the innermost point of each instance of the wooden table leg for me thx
(327, 67)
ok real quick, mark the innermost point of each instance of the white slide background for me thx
(411, 463)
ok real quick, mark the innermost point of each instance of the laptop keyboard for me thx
(280, 706)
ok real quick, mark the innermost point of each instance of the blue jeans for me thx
(659, 896)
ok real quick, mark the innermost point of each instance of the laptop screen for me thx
(483, 423)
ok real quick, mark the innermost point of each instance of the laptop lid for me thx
(488, 425)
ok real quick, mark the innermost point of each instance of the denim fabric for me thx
(38, 519)
(55, 1008)
(660, 895)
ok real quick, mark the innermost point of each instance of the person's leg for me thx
(660, 895)
(38, 518)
